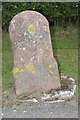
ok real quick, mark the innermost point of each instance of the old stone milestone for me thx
(35, 68)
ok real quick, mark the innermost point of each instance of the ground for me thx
(67, 109)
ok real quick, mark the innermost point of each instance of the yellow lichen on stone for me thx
(21, 70)
(33, 72)
(32, 27)
(16, 70)
(50, 66)
(29, 67)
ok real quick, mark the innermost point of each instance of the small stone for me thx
(25, 34)
(72, 79)
(25, 111)
(46, 96)
(15, 110)
(24, 48)
(66, 94)
(34, 100)
(40, 36)
(34, 41)
(56, 101)
(2, 114)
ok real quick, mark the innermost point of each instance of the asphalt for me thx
(43, 110)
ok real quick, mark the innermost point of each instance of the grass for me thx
(65, 39)
(67, 62)
(7, 62)
(65, 44)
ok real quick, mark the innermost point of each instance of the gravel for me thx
(43, 110)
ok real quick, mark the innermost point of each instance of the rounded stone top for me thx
(28, 27)
(29, 13)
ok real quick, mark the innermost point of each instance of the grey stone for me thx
(35, 68)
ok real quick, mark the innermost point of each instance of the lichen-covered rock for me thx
(35, 68)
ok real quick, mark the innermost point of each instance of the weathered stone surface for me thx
(35, 68)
